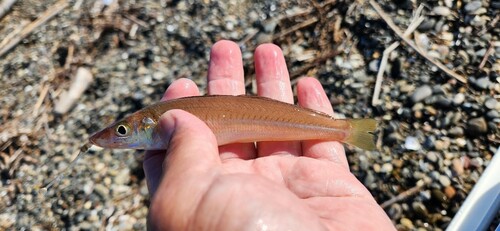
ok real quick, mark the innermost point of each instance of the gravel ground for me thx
(436, 133)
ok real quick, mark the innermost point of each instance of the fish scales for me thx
(238, 119)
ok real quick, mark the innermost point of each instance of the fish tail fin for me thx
(362, 133)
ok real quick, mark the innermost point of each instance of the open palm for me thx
(272, 186)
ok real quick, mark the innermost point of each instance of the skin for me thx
(275, 186)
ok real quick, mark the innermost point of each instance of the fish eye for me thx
(122, 130)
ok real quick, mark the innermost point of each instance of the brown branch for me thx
(415, 22)
(402, 196)
(48, 14)
(489, 52)
(296, 73)
(296, 27)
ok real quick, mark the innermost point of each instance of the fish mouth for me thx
(104, 140)
(96, 139)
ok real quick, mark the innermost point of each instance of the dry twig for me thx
(489, 52)
(380, 74)
(69, 58)
(402, 196)
(417, 19)
(82, 80)
(398, 32)
(298, 72)
(48, 14)
(38, 104)
(296, 27)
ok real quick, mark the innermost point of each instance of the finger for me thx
(180, 88)
(225, 71)
(273, 82)
(311, 95)
(225, 77)
(153, 160)
(191, 147)
(190, 167)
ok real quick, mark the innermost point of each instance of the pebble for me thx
(270, 25)
(491, 103)
(449, 3)
(373, 65)
(407, 223)
(418, 107)
(458, 166)
(395, 211)
(444, 180)
(477, 21)
(481, 83)
(426, 195)
(364, 163)
(461, 142)
(430, 110)
(93, 216)
(441, 145)
(439, 196)
(493, 114)
(456, 132)
(387, 168)
(419, 208)
(412, 143)
(398, 163)
(473, 154)
(432, 156)
(126, 222)
(158, 75)
(477, 162)
(441, 10)
(101, 190)
(458, 99)
(447, 37)
(370, 180)
(429, 142)
(427, 25)
(449, 191)
(477, 126)
(421, 93)
(393, 138)
(85, 225)
(407, 88)
(7, 220)
(472, 6)
(495, 4)
(123, 177)
(443, 101)
(494, 127)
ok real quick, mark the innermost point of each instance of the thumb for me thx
(192, 152)
(191, 144)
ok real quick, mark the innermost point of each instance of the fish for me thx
(232, 119)
(237, 119)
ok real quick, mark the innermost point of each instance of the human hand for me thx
(272, 186)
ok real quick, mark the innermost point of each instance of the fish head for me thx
(133, 132)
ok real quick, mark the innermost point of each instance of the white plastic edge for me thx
(483, 202)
